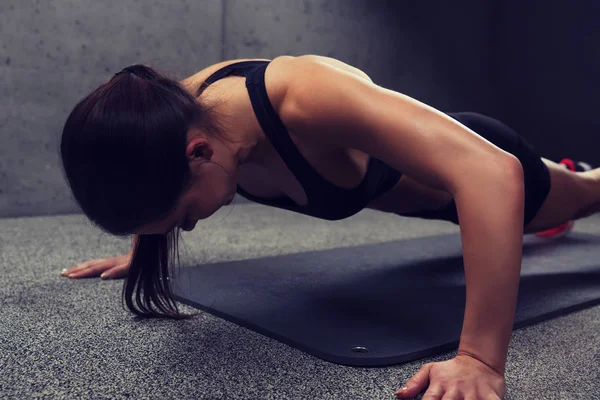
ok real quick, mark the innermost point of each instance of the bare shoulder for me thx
(283, 74)
(284, 61)
(280, 72)
(311, 58)
(194, 80)
(285, 69)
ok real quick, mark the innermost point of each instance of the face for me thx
(213, 185)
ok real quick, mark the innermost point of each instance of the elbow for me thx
(513, 163)
(496, 192)
(506, 169)
(512, 179)
(504, 173)
(513, 170)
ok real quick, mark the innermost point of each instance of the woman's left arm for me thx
(486, 183)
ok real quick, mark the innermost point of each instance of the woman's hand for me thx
(110, 268)
(463, 377)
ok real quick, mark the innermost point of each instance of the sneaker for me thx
(567, 227)
(559, 231)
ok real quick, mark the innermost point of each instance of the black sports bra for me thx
(325, 200)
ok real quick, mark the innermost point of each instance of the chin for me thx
(230, 198)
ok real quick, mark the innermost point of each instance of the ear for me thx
(199, 148)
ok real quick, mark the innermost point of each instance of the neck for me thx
(252, 149)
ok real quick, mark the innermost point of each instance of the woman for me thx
(146, 155)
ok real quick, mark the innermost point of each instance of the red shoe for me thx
(567, 227)
(559, 231)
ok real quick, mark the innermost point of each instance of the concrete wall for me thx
(54, 52)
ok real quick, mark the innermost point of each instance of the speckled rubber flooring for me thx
(71, 339)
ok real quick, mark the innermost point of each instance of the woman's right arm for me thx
(107, 268)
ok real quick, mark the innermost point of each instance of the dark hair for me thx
(123, 155)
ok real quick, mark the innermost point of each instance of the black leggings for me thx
(537, 176)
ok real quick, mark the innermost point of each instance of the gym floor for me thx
(65, 338)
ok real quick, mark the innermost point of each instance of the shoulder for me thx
(321, 98)
(288, 69)
(281, 72)
(307, 71)
(307, 62)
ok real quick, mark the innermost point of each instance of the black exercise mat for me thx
(388, 303)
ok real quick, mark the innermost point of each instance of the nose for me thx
(188, 226)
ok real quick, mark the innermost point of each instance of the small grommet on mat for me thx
(359, 349)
